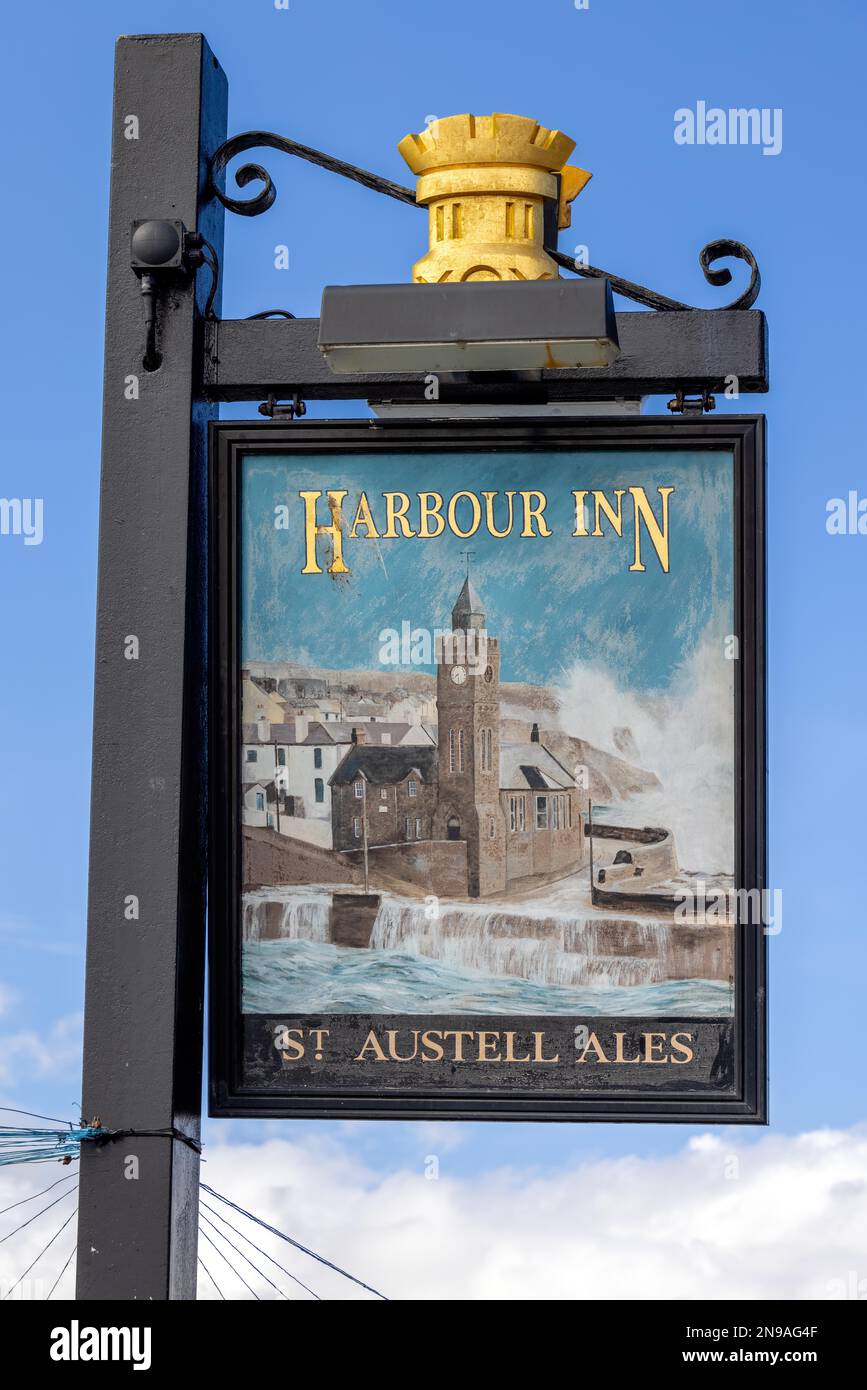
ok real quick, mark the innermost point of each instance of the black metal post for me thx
(146, 915)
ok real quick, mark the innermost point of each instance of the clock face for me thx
(458, 674)
(489, 674)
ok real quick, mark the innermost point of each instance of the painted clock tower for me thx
(468, 713)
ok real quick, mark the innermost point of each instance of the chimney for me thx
(358, 735)
(534, 734)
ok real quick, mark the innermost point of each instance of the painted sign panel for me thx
(487, 731)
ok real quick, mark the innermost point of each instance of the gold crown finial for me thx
(486, 181)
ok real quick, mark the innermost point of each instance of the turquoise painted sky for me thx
(552, 601)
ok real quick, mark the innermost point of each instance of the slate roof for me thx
(326, 731)
(340, 731)
(384, 766)
(530, 765)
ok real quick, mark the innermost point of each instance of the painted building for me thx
(515, 805)
(394, 788)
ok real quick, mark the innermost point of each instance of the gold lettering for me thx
(658, 535)
(290, 1038)
(510, 1056)
(391, 1034)
(363, 517)
(618, 1056)
(489, 513)
(580, 528)
(650, 1046)
(535, 513)
(476, 510)
(396, 508)
(430, 509)
(681, 1047)
(429, 1039)
(594, 1043)
(538, 1055)
(459, 1034)
(312, 530)
(489, 1040)
(602, 504)
(373, 1042)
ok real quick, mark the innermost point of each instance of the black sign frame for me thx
(738, 1093)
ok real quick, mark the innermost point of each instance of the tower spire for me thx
(469, 611)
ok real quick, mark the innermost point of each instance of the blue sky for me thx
(353, 79)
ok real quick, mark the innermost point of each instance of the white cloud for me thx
(782, 1217)
(54, 1052)
(725, 1217)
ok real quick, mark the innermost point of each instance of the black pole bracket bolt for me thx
(276, 410)
(161, 250)
(692, 405)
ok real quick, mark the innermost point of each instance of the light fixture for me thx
(478, 327)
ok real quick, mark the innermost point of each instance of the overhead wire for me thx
(234, 1247)
(35, 1262)
(282, 1268)
(289, 1239)
(212, 1279)
(237, 1273)
(36, 1215)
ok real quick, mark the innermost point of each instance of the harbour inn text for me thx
(466, 514)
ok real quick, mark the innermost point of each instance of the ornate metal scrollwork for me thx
(263, 200)
(251, 173)
(715, 251)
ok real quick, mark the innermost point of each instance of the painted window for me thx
(281, 757)
(555, 813)
(252, 755)
(453, 750)
(492, 827)
(260, 801)
(418, 827)
(359, 790)
(541, 813)
(383, 793)
(317, 757)
(407, 828)
(522, 814)
(412, 788)
(460, 750)
(486, 737)
(319, 789)
(356, 827)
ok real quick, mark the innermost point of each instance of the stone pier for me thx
(352, 918)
